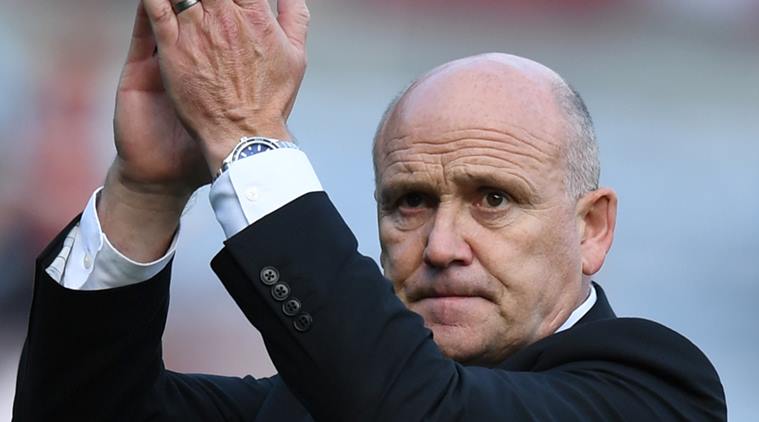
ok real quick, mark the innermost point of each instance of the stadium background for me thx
(673, 86)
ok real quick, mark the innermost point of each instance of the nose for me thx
(446, 245)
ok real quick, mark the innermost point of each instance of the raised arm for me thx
(96, 355)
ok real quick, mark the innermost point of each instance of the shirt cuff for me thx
(256, 186)
(88, 261)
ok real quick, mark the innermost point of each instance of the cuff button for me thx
(280, 292)
(269, 276)
(303, 322)
(251, 194)
(291, 307)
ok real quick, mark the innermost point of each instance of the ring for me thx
(184, 5)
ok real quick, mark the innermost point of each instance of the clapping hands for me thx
(193, 84)
(230, 68)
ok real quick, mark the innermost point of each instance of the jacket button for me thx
(280, 292)
(291, 307)
(303, 322)
(269, 276)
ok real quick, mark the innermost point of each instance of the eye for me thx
(410, 209)
(411, 200)
(494, 199)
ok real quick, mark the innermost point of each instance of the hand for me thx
(155, 152)
(230, 68)
(158, 165)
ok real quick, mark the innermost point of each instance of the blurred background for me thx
(673, 86)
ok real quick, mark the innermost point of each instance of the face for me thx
(478, 234)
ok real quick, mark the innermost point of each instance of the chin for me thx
(458, 343)
(463, 328)
(473, 345)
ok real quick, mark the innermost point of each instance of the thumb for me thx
(143, 43)
(293, 16)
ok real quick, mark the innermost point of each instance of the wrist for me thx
(161, 197)
(218, 144)
(149, 198)
(139, 220)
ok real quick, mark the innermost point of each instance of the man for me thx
(491, 226)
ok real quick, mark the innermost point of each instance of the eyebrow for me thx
(516, 185)
(519, 185)
(402, 182)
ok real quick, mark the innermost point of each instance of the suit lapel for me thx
(601, 310)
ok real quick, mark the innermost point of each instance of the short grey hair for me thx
(381, 126)
(583, 165)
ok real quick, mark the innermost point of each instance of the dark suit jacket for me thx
(362, 356)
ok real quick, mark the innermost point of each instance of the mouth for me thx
(449, 296)
(449, 310)
(439, 292)
(450, 291)
(449, 300)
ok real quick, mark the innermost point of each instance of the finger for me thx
(260, 7)
(215, 4)
(293, 16)
(143, 43)
(162, 19)
(188, 11)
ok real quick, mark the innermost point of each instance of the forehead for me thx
(487, 113)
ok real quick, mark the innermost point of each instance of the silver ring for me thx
(184, 5)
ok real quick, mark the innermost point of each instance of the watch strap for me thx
(247, 141)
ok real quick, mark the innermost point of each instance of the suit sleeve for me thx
(96, 355)
(351, 351)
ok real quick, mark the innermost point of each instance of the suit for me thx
(345, 347)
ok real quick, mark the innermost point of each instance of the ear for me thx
(383, 255)
(597, 216)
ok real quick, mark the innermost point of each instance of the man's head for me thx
(490, 218)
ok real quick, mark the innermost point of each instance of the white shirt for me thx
(251, 189)
(248, 191)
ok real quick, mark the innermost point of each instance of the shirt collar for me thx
(580, 312)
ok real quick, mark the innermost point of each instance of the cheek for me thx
(532, 260)
(402, 253)
(561, 247)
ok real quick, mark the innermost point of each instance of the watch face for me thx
(252, 149)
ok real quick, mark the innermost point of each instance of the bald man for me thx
(484, 163)
(491, 223)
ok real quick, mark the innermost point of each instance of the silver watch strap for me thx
(275, 143)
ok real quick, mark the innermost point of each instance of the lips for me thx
(447, 289)
(452, 311)
(452, 297)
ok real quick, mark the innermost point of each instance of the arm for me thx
(96, 355)
(77, 342)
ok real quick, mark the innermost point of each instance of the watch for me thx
(249, 146)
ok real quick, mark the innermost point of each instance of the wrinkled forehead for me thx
(468, 99)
